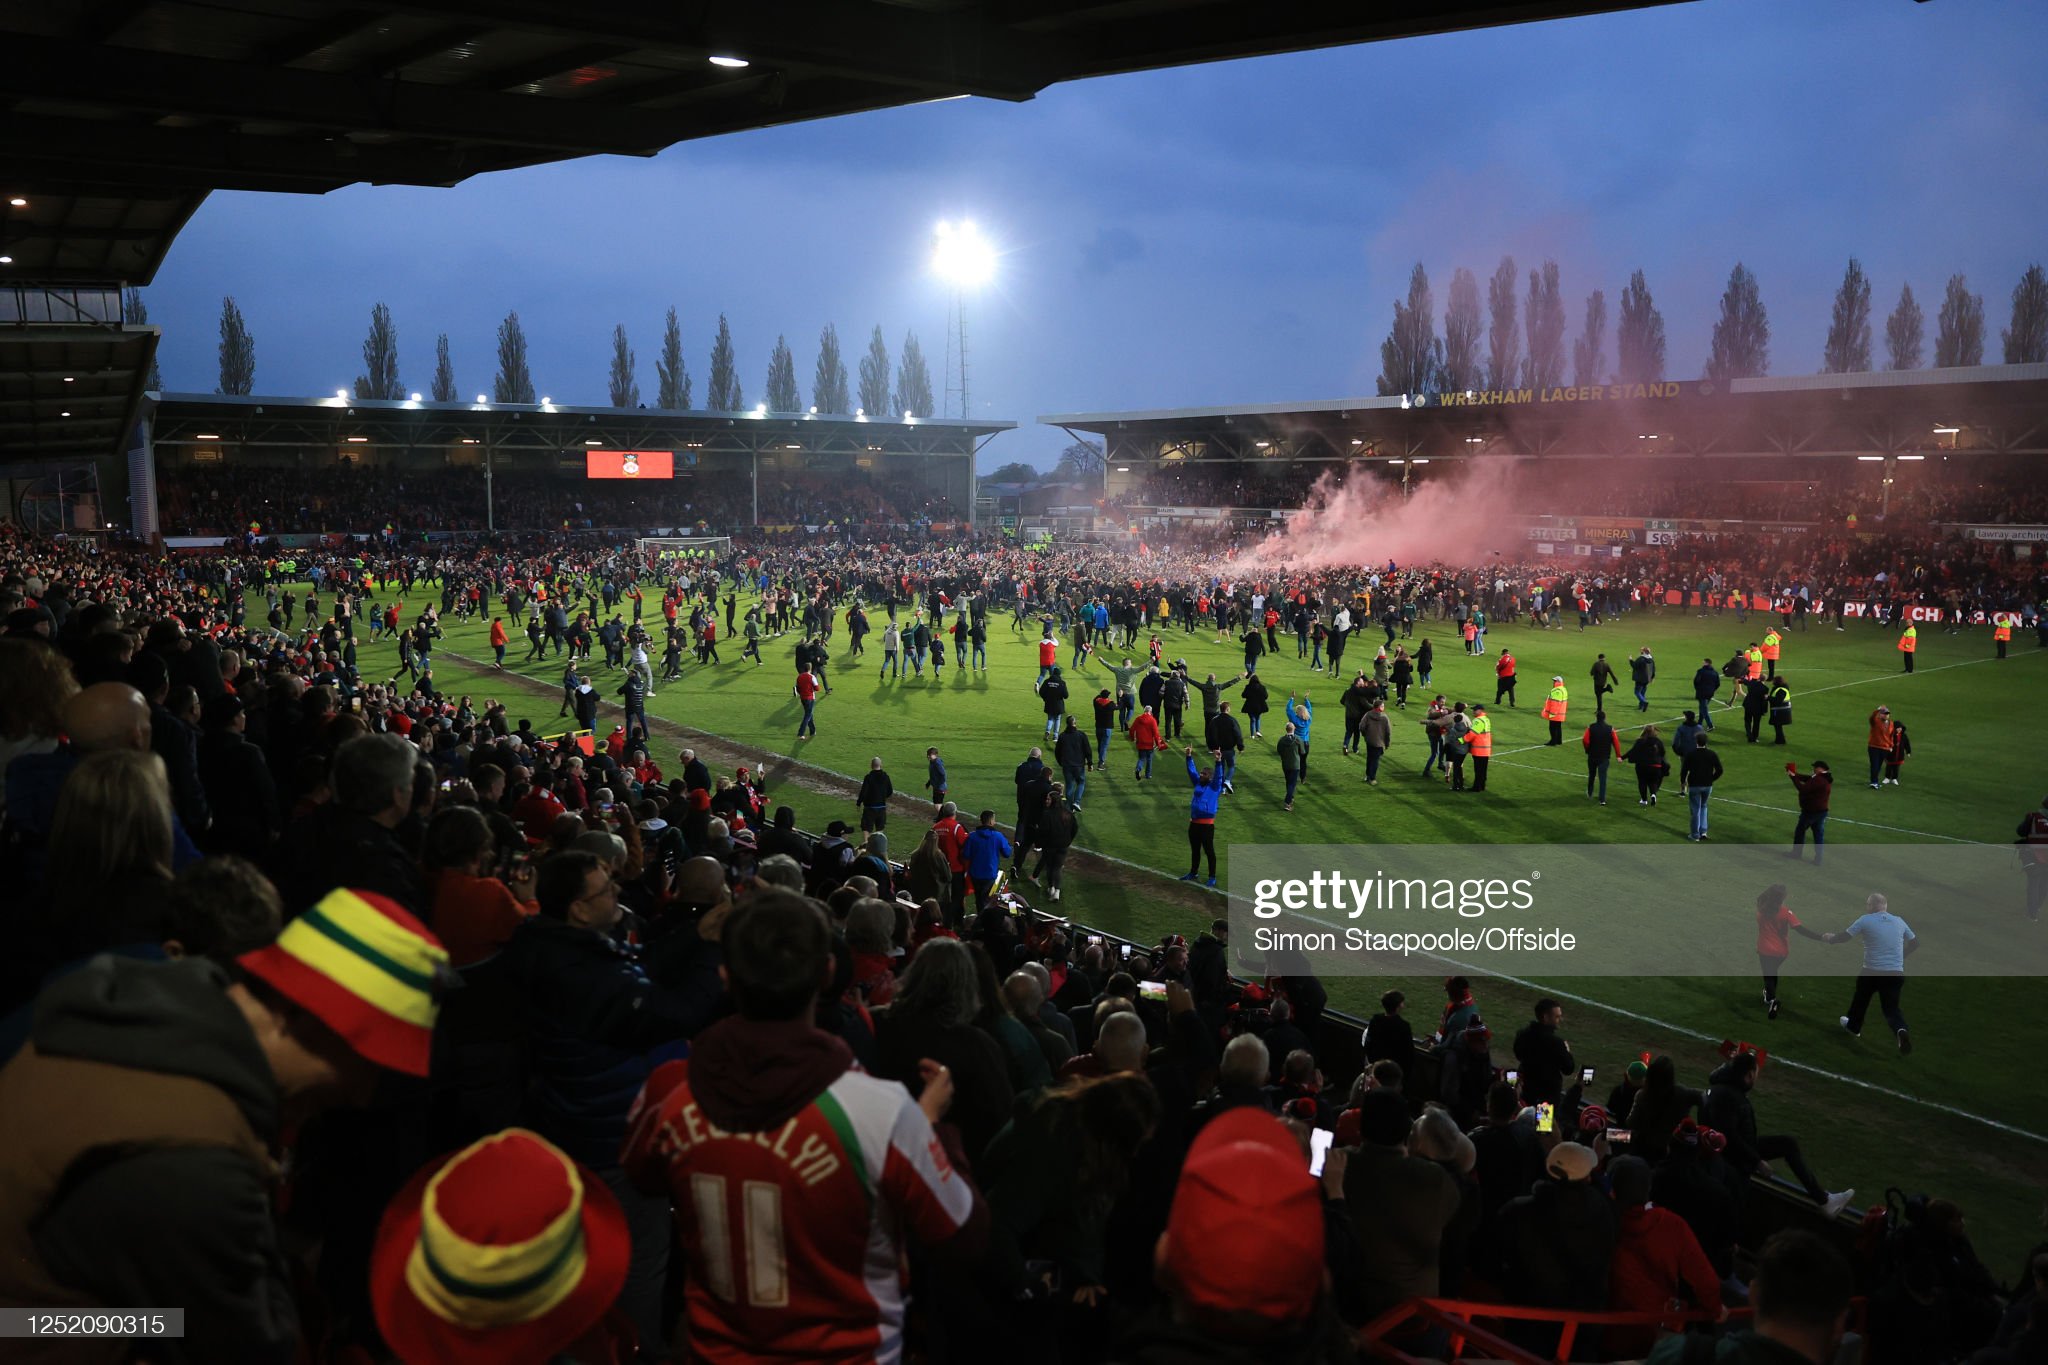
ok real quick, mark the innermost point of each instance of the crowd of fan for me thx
(245, 885)
(226, 500)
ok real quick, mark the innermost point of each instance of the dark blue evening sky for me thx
(1231, 233)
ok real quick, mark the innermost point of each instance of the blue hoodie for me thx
(984, 852)
(1301, 713)
(1202, 806)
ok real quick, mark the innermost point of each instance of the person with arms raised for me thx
(1208, 793)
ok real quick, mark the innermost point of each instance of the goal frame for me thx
(649, 549)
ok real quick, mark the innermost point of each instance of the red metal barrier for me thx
(1461, 1319)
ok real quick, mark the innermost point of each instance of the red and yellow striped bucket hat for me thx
(367, 969)
(507, 1252)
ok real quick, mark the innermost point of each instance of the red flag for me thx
(1144, 550)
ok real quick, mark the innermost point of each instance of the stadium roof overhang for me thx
(172, 98)
(378, 426)
(117, 117)
(71, 392)
(1993, 409)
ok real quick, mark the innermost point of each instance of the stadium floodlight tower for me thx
(963, 258)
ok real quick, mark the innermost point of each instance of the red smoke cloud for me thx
(1366, 521)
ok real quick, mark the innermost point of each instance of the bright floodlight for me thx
(482, 399)
(962, 256)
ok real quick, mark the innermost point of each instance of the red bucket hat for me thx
(367, 969)
(505, 1253)
(1245, 1234)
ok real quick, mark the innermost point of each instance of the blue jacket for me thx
(1202, 805)
(593, 1024)
(1301, 713)
(985, 850)
(936, 780)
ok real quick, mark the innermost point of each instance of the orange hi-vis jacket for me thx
(1554, 708)
(1910, 641)
(1772, 640)
(2001, 627)
(1481, 737)
(1756, 662)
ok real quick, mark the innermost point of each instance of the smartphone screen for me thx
(1586, 1076)
(1514, 1077)
(1127, 952)
(1546, 1117)
(1151, 990)
(1320, 1141)
(1618, 1135)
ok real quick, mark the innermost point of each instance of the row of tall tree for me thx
(830, 391)
(1490, 351)
(910, 392)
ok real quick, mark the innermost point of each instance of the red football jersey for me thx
(794, 1234)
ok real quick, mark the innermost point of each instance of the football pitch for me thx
(1964, 1116)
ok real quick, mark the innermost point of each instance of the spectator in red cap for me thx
(1241, 1261)
(506, 1253)
(159, 1091)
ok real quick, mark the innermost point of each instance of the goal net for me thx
(659, 552)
